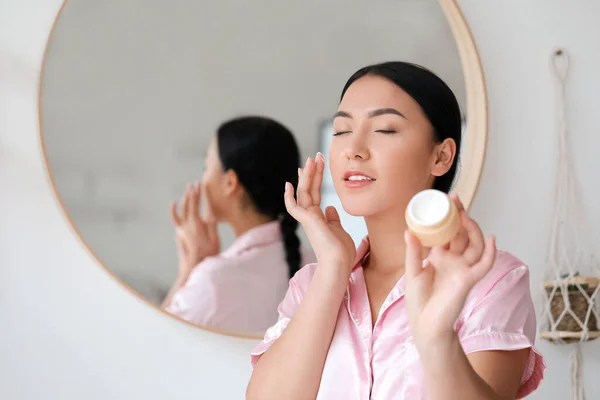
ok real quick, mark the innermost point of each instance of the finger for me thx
(413, 263)
(488, 258)
(179, 236)
(436, 255)
(208, 213)
(317, 179)
(195, 201)
(459, 242)
(180, 241)
(454, 197)
(290, 203)
(185, 201)
(476, 243)
(418, 293)
(440, 257)
(305, 183)
(175, 217)
(211, 230)
(332, 216)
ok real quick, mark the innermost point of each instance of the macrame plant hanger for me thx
(570, 314)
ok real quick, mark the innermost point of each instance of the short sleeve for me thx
(503, 318)
(196, 301)
(286, 309)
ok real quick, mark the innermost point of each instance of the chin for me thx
(358, 207)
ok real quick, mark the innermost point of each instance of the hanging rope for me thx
(567, 289)
(576, 381)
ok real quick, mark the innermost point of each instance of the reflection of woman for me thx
(379, 322)
(238, 290)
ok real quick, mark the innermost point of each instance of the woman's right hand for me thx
(196, 237)
(330, 242)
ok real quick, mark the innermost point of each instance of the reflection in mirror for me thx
(140, 99)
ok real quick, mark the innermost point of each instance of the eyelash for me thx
(385, 132)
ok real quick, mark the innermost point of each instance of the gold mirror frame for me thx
(473, 152)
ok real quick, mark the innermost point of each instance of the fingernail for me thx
(319, 154)
(299, 171)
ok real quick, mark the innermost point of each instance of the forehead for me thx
(212, 146)
(212, 152)
(373, 92)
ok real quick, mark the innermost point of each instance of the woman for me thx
(238, 290)
(380, 322)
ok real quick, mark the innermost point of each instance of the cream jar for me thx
(432, 217)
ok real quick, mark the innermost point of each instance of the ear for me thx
(444, 154)
(231, 183)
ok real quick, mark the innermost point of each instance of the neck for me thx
(387, 246)
(244, 220)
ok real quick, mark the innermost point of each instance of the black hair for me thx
(435, 98)
(264, 155)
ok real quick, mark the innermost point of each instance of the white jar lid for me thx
(428, 207)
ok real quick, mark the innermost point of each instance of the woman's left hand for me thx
(436, 293)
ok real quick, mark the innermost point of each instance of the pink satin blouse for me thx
(239, 290)
(382, 362)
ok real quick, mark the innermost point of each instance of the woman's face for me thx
(383, 150)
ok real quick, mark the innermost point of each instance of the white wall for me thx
(515, 198)
(68, 331)
(133, 92)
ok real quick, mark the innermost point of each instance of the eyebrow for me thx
(372, 114)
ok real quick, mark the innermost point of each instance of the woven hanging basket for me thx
(580, 291)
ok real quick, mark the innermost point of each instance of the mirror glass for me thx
(134, 92)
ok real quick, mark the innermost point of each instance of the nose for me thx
(357, 147)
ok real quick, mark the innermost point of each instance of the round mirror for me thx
(135, 97)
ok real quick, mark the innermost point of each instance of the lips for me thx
(357, 180)
(357, 176)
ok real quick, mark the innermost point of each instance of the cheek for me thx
(210, 181)
(337, 161)
(403, 166)
(212, 196)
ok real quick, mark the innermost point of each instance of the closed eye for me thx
(341, 133)
(385, 132)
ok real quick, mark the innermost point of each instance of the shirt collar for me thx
(357, 279)
(361, 252)
(258, 236)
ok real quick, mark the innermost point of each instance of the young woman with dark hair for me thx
(247, 165)
(392, 319)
